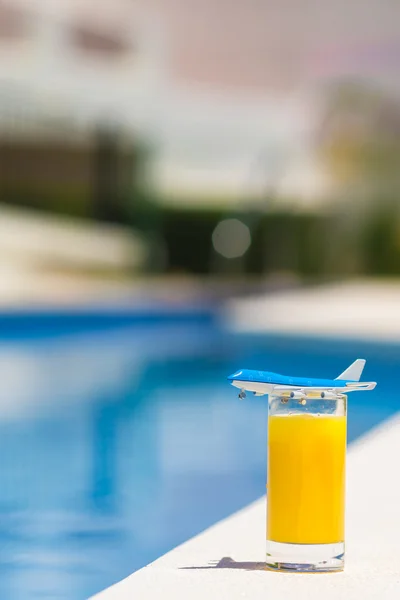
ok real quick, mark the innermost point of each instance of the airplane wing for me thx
(366, 385)
(354, 387)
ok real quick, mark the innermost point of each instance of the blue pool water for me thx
(118, 444)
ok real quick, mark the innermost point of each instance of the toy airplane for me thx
(264, 382)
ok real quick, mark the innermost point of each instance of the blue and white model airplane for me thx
(264, 382)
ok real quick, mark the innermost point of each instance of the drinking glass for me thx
(306, 481)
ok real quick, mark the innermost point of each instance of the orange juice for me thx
(306, 478)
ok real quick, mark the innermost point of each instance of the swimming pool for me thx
(117, 443)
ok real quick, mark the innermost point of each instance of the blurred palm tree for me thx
(359, 136)
(359, 143)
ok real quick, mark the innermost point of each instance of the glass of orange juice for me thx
(306, 481)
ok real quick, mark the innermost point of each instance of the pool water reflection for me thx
(116, 447)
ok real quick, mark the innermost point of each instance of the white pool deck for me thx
(360, 309)
(225, 562)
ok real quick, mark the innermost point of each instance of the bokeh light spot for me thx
(231, 238)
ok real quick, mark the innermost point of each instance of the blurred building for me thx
(248, 87)
(227, 92)
(75, 83)
(68, 56)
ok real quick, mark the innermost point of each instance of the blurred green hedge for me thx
(104, 182)
(280, 242)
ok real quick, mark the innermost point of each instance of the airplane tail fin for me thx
(354, 371)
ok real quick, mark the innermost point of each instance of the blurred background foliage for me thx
(101, 179)
(95, 161)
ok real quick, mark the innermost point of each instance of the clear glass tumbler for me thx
(306, 481)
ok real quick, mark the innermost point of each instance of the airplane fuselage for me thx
(265, 382)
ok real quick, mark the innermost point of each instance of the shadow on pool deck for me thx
(228, 563)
